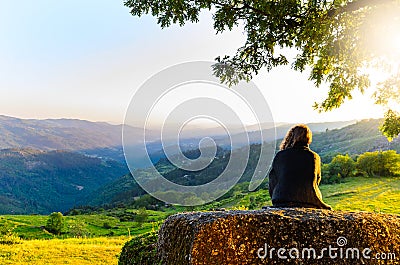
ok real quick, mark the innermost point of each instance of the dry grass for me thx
(66, 251)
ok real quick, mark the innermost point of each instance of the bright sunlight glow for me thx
(383, 32)
(382, 39)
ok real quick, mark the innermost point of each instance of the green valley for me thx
(107, 233)
(104, 207)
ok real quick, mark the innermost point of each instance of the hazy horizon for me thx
(204, 126)
(90, 67)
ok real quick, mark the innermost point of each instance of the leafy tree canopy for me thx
(383, 164)
(338, 41)
(342, 165)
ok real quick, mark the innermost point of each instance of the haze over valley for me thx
(53, 165)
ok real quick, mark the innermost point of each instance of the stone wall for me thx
(279, 236)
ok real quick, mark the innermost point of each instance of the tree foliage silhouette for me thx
(333, 39)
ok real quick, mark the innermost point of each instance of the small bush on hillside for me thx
(141, 250)
(327, 178)
(106, 225)
(141, 217)
(148, 202)
(342, 166)
(55, 223)
(78, 228)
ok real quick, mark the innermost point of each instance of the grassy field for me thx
(101, 246)
(104, 243)
(97, 225)
(380, 195)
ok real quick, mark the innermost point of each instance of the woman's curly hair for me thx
(299, 133)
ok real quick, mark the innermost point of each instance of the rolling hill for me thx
(353, 139)
(94, 138)
(277, 132)
(104, 140)
(43, 180)
(363, 136)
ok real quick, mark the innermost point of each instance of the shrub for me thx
(327, 178)
(141, 216)
(78, 228)
(106, 225)
(342, 165)
(253, 203)
(141, 250)
(386, 163)
(55, 223)
(148, 202)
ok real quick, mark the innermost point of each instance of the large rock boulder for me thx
(280, 236)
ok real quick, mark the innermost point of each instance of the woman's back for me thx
(294, 178)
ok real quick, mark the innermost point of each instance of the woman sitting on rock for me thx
(296, 172)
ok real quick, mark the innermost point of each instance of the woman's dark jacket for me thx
(294, 178)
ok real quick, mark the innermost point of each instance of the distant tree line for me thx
(369, 164)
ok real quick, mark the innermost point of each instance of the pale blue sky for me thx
(85, 59)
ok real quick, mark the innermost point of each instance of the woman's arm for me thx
(318, 169)
(323, 205)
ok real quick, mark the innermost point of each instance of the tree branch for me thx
(260, 12)
(245, 6)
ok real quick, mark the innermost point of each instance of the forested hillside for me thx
(364, 136)
(353, 139)
(33, 181)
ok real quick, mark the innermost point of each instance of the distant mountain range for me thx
(105, 140)
(278, 132)
(53, 165)
(240, 138)
(353, 139)
(94, 138)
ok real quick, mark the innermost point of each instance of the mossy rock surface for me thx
(141, 250)
(241, 237)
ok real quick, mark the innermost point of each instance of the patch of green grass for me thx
(380, 195)
(97, 225)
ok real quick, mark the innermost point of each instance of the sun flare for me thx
(382, 32)
(381, 40)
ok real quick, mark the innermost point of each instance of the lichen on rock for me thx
(279, 236)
